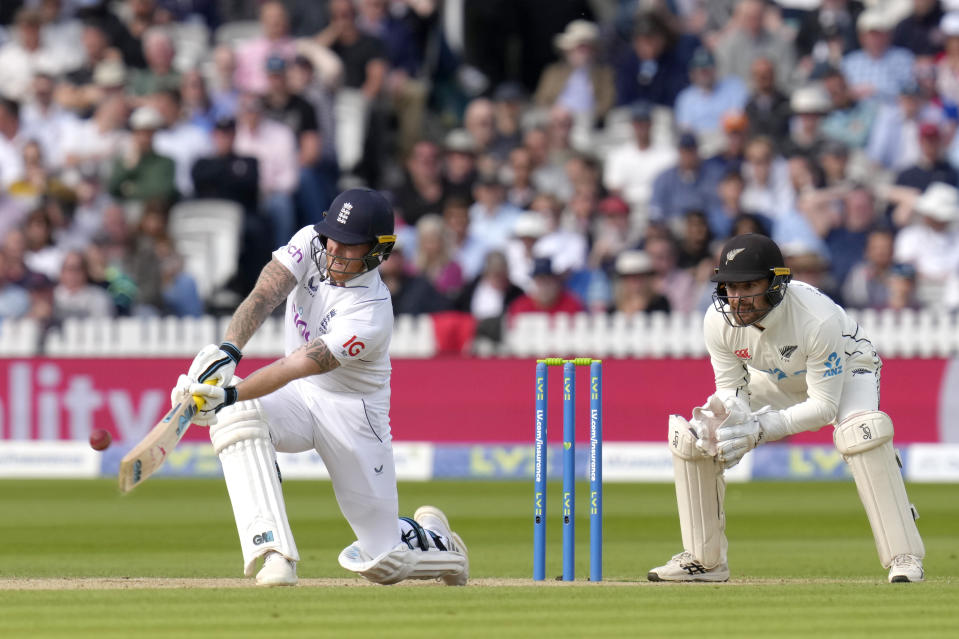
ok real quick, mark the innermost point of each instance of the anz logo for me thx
(833, 365)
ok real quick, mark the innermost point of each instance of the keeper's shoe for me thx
(906, 569)
(685, 567)
(277, 570)
(434, 519)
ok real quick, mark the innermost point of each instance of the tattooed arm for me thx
(312, 358)
(272, 287)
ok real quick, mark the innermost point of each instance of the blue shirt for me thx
(887, 74)
(675, 193)
(702, 111)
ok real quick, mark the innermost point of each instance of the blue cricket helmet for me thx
(356, 216)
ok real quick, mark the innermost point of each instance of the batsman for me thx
(786, 359)
(329, 393)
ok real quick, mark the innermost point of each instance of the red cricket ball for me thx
(100, 439)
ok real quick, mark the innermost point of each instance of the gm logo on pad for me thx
(263, 538)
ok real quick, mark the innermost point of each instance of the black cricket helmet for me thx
(356, 216)
(746, 258)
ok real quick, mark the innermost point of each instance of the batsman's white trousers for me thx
(351, 432)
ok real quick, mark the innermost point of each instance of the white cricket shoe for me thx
(277, 570)
(685, 567)
(905, 569)
(434, 519)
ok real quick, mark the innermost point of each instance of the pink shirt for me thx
(251, 57)
(274, 147)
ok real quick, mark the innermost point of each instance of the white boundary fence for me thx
(896, 334)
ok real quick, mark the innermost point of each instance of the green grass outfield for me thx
(79, 560)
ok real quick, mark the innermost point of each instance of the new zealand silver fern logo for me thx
(787, 351)
(731, 255)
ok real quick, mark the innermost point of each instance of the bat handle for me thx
(199, 400)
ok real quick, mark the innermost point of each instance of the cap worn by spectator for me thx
(542, 266)
(735, 122)
(634, 263)
(702, 59)
(613, 205)
(146, 118)
(949, 24)
(688, 140)
(109, 74)
(940, 201)
(509, 92)
(874, 20)
(459, 141)
(275, 64)
(578, 32)
(641, 111)
(530, 225)
(928, 130)
(834, 148)
(810, 100)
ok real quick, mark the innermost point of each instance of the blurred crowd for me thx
(541, 155)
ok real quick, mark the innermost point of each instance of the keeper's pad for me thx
(700, 491)
(241, 439)
(402, 562)
(865, 441)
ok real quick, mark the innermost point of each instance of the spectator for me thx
(579, 83)
(546, 295)
(827, 33)
(867, 285)
(480, 123)
(87, 219)
(12, 140)
(411, 294)
(632, 167)
(807, 264)
(422, 189)
(894, 140)
(273, 144)
(487, 296)
(78, 91)
(688, 185)
(701, 106)
(747, 39)
(847, 242)
(902, 289)
(492, 218)
(251, 56)
(465, 250)
(198, 107)
(809, 104)
(45, 120)
(654, 70)
(140, 173)
(74, 296)
(930, 244)
(12, 213)
(878, 70)
(931, 166)
(508, 102)
(41, 254)
(733, 140)
(282, 105)
(14, 299)
(24, 55)
(730, 208)
(947, 68)
(634, 289)
(676, 284)
(91, 145)
(767, 110)
(224, 90)
(530, 227)
(850, 120)
(433, 259)
(177, 139)
(695, 240)
(459, 166)
(159, 74)
(919, 32)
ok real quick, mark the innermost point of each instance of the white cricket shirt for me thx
(355, 321)
(809, 347)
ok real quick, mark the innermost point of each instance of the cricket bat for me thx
(148, 456)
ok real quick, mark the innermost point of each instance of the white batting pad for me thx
(402, 563)
(241, 439)
(865, 441)
(700, 491)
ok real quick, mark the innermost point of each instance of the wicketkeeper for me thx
(331, 393)
(786, 359)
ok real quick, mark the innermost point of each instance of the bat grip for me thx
(199, 400)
